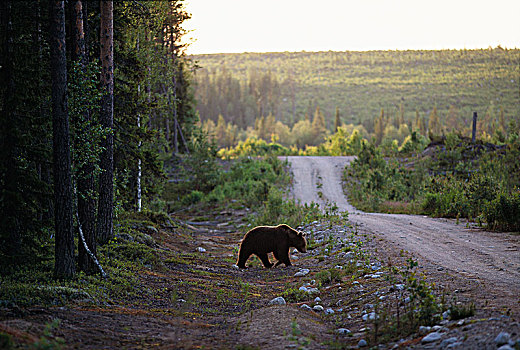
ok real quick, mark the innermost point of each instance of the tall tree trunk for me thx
(139, 165)
(106, 180)
(148, 86)
(85, 177)
(64, 246)
(175, 106)
(139, 172)
(86, 29)
(10, 225)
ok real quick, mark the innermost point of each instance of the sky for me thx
(225, 26)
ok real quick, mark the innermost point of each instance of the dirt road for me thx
(488, 258)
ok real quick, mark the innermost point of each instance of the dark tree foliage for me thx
(152, 83)
(25, 132)
(186, 113)
(149, 70)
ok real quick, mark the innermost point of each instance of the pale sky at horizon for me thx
(225, 26)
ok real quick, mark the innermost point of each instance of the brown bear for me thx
(262, 240)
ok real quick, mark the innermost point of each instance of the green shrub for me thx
(277, 210)
(192, 198)
(253, 146)
(336, 274)
(154, 217)
(431, 202)
(456, 179)
(293, 295)
(482, 188)
(451, 203)
(6, 342)
(323, 277)
(134, 252)
(249, 181)
(413, 143)
(372, 180)
(328, 276)
(503, 212)
(463, 311)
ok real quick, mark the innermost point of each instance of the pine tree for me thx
(434, 125)
(337, 121)
(318, 122)
(220, 131)
(26, 204)
(106, 180)
(401, 115)
(64, 246)
(85, 173)
(501, 121)
(379, 127)
(452, 120)
(269, 125)
(417, 121)
(419, 124)
(318, 127)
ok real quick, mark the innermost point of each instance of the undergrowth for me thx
(458, 179)
(131, 250)
(414, 303)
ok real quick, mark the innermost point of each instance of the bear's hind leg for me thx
(265, 260)
(277, 257)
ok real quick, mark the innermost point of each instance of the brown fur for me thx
(262, 240)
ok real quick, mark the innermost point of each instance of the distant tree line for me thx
(387, 131)
(92, 93)
(433, 92)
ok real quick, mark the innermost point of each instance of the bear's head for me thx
(296, 238)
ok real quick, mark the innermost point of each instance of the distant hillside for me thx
(242, 87)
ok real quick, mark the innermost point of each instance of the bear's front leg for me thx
(283, 257)
(277, 257)
(265, 260)
(242, 258)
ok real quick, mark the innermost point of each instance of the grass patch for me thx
(458, 312)
(295, 295)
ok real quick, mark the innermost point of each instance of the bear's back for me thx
(265, 239)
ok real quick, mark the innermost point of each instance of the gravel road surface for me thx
(489, 258)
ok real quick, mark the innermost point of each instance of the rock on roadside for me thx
(430, 338)
(277, 301)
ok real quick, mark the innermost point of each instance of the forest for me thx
(95, 96)
(256, 93)
(130, 172)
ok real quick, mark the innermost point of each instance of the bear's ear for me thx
(301, 233)
(291, 232)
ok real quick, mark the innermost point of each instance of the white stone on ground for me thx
(301, 273)
(502, 338)
(362, 343)
(430, 338)
(343, 331)
(318, 308)
(277, 301)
